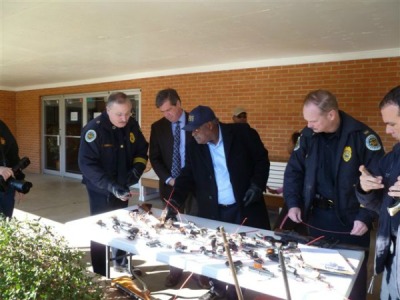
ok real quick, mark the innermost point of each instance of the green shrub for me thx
(36, 263)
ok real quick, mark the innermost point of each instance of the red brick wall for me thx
(273, 97)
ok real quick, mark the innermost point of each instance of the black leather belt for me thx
(226, 205)
(322, 202)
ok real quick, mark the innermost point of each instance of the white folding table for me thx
(340, 285)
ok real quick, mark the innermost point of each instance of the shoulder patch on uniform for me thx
(132, 137)
(347, 153)
(297, 146)
(372, 143)
(2, 141)
(90, 136)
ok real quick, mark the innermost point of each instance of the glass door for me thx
(51, 135)
(73, 125)
(94, 107)
(63, 119)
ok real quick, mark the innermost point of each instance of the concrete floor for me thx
(65, 199)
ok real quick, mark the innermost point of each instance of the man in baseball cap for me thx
(199, 116)
(227, 169)
(239, 115)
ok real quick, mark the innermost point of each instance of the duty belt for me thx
(322, 202)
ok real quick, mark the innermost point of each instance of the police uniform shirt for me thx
(122, 171)
(327, 153)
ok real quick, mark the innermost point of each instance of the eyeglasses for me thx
(120, 114)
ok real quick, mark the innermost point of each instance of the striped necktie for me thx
(176, 155)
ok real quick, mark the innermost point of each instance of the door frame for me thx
(62, 130)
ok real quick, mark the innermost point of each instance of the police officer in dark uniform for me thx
(112, 157)
(379, 190)
(8, 159)
(321, 174)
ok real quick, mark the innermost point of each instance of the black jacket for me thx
(99, 147)
(247, 162)
(358, 145)
(8, 147)
(161, 150)
(379, 201)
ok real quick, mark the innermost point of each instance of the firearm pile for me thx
(252, 253)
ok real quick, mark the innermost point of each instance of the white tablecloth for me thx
(340, 286)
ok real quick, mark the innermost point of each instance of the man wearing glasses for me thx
(112, 157)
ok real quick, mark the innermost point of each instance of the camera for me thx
(17, 182)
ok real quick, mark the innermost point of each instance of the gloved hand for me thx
(119, 191)
(135, 173)
(253, 194)
(172, 209)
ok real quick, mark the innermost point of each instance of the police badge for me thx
(132, 137)
(347, 153)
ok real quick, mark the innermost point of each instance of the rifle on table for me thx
(127, 285)
(331, 243)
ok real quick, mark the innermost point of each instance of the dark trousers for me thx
(229, 214)
(389, 290)
(100, 203)
(7, 202)
(228, 291)
(328, 220)
(98, 256)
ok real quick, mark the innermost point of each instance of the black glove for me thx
(253, 194)
(135, 173)
(119, 191)
(172, 210)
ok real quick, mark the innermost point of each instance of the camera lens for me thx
(21, 186)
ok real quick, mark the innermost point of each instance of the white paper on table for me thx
(325, 259)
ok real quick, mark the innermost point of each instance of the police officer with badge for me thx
(322, 173)
(112, 157)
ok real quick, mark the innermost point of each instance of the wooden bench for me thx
(149, 185)
(275, 181)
